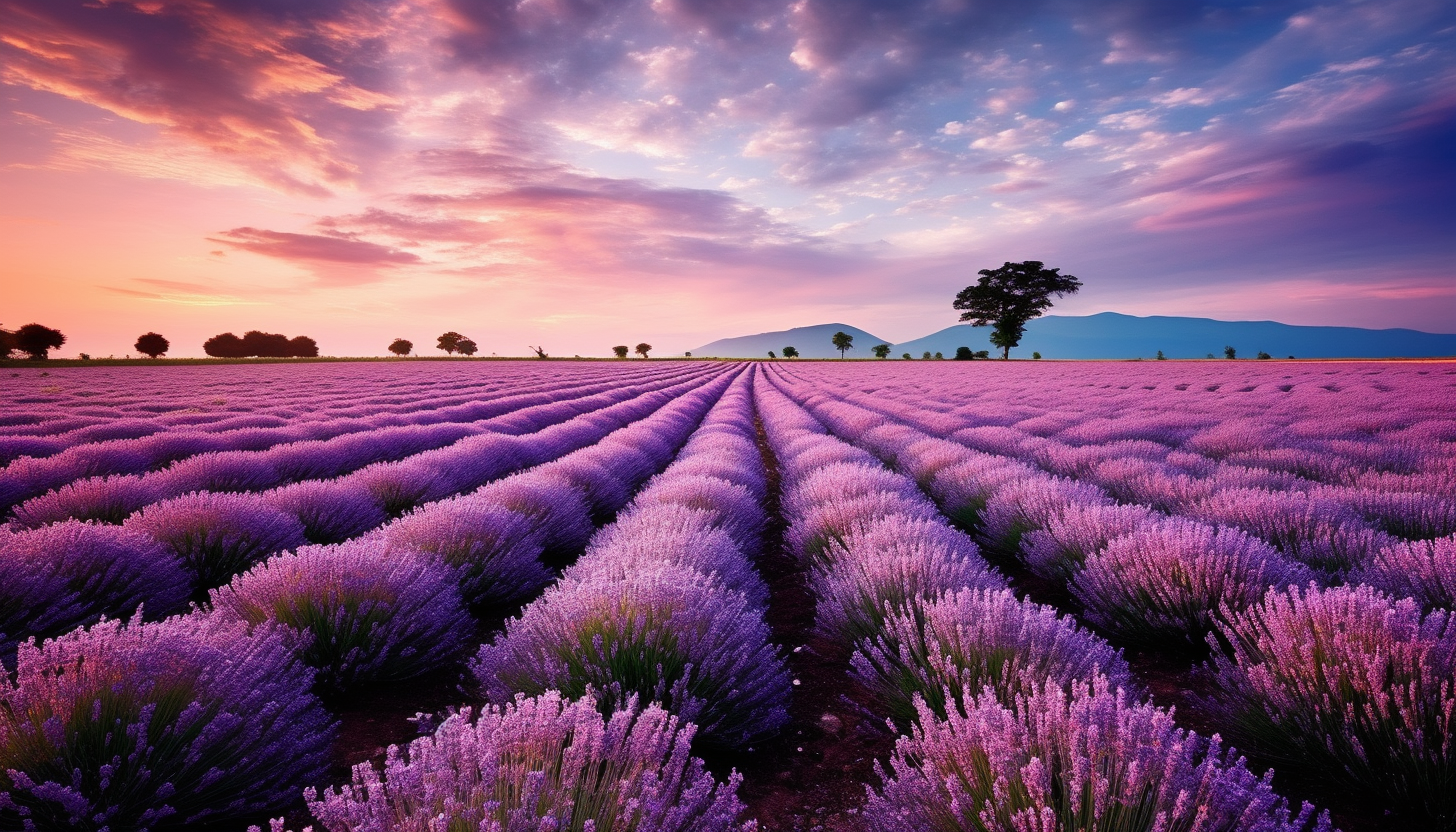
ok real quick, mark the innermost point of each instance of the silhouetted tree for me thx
(620, 351)
(448, 342)
(881, 350)
(37, 341)
(1263, 356)
(686, 355)
(465, 346)
(643, 349)
(842, 341)
(964, 354)
(1230, 353)
(906, 356)
(938, 355)
(791, 352)
(1008, 297)
(266, 344)
(540, 352)
(926, 356)
(226, 345)
(152, 345)
(771, 354)
(401, 347)
(1162, 357)
(1035, 356)
(302, 346)
(7, 344)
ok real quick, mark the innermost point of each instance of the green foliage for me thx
(1229, 353)
(964, 354)
(926, 356)
(791, 352)
(771, 354)
(906, 356)
(1263, 356)
(1162, 357)
(1007, 298)
(881, 350)
(842, 341)
(1036, 356)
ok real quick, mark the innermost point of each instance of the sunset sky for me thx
(579, 174)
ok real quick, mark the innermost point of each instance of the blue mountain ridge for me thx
(1112, 335)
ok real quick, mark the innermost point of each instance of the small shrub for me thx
(145, 725)
(216, 536)
(665, 634)
(1421, 569)
(1345, 683)
(541, 763)
(973, 639)
(60, 577)
(495, 551)
(1166, 584)
(367, 614)
(1088, 760)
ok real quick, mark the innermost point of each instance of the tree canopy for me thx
(881, 350)
(842, 341)
(791, 352)
(621, 350)
(37, 341)
(449, 342)
(401, 347)
(465, 346)
(153, 345)
(643, 349)
(258, 344)
(1009, 297)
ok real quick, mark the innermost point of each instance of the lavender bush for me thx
(1349, 684)
(1058, 550)
(1165, 584)
(537, 764)
(142, 726)
(734, 508)
(330, 511)
(1421, 569)
(370, 614)
(216, 536)
(102, 499)
(667, 634)
(1084, 760)
(495, 550)
(974, 639)
(560, 512)
(890, 567)
(690, 537)
(60, 577)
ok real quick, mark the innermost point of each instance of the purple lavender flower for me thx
(331, 511)
(1349, 684)
(541, 763)
(977, 638)
(141, 725)
(102, 499)
(236, 471)
(648, 535)
(495, 551)
(1421, 569)
(666, 633)
(61, 577)
(734, 508)
(890, 567)
(1165, 584)
(559, 511)
(216, 536)
(1314, 531)
(1074, 533)
(1019, 507)
(819, 527)
(370, 613)
(397, 487)
(1084, 759)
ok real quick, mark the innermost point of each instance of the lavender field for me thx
(592, 596)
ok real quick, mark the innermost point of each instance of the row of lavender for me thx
(1336, 680)
(1017, 718)
(238, 453)
(653, 640)
(214, 713)
(1365, 498)
(67, 573)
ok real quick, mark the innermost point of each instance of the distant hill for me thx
(1112, 335)
(810, 341)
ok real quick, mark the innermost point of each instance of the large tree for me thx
(465, 346)
(302, 346)
(791, 352)
(1007, 298)
(643, 349)
(621, 350)
(448, 342)
(152, 345)
(37, 341)
(400, 346)
(842, 341)
(881, 350)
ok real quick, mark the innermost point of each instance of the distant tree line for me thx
(257, 344)
(32, 340)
